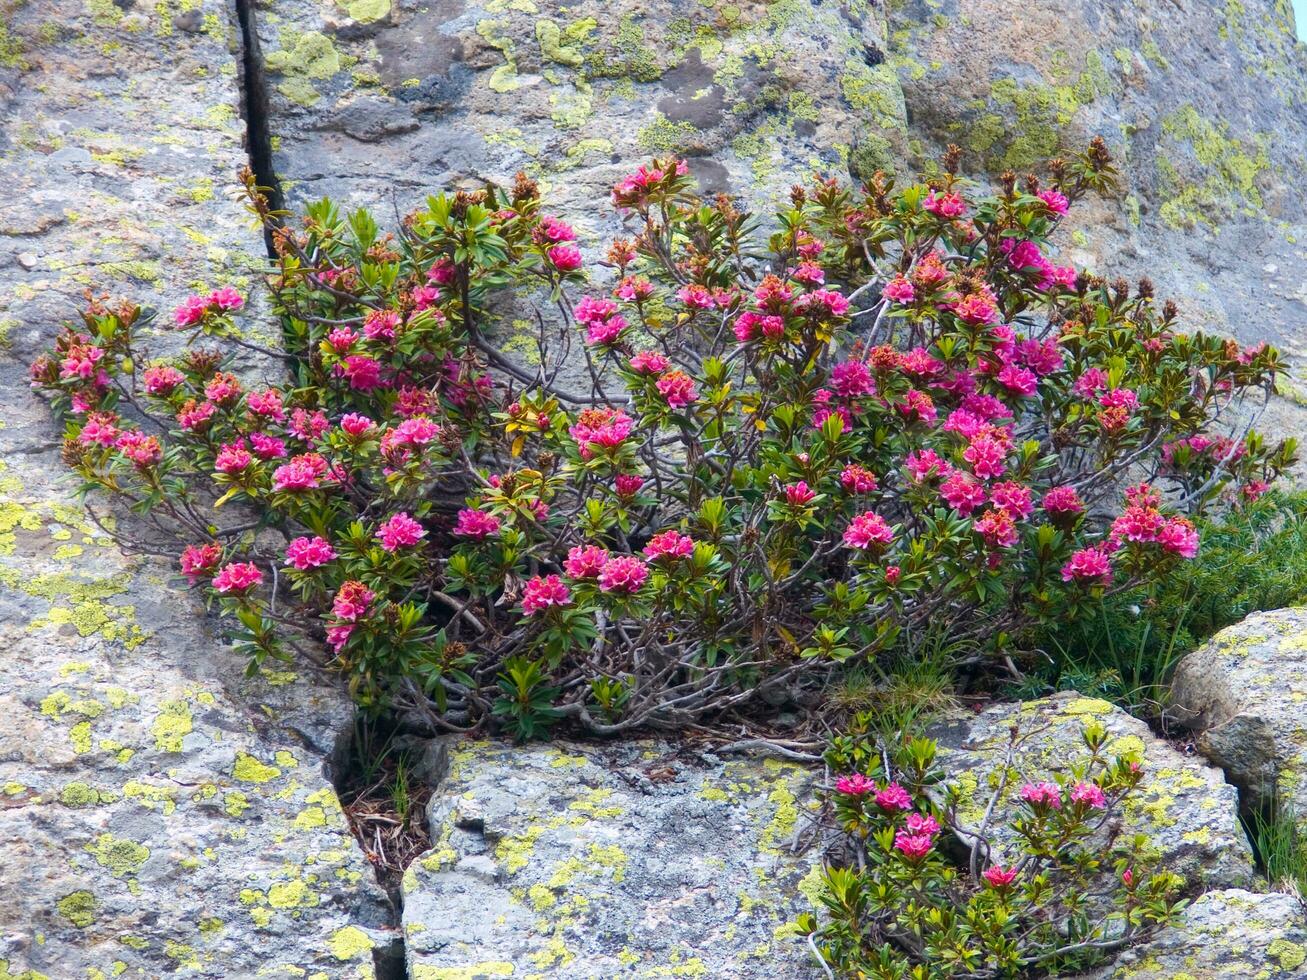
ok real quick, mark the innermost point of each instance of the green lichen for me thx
(171, 726)
(1228, 170)
(1290, 954)
(78, 908)
(349, 943)
(120, 856)
(78, 794)
(303, 59)
(248, 769)
(368, 11)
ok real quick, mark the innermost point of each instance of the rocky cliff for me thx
(161, 814)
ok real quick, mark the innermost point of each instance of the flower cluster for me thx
(909, 412)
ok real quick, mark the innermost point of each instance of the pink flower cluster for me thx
(195, 308)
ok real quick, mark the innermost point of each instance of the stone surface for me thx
(1225, 933)
(1185, 808)
(379, 99)
(1244, 694)
(585, 862)
(159, 814)
(1205, 108)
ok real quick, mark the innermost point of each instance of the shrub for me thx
(897, 414)
(1044, 889)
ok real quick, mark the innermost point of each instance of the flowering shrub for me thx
(1048, 888)
(900, 412)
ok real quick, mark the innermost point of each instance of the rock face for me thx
(1225, 933)
(158, 813)
(579, 862)
(1243, 694)
(1185, 809)
(382, 97)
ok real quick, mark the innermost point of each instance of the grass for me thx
(1281, 849)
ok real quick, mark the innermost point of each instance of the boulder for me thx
(160, 813)
(382, 100)
(1224, 933)
(1185, 809)
(633, 860)
(1244, 692)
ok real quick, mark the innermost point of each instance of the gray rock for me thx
(1185, 809)
(159, 813)
(1226, 933)
(1243, 693)
(626, 860)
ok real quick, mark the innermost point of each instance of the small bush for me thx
(911, 891)
(896, 417)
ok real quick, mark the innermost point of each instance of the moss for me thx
(122, 857)
(1290, 954)
(78, 908)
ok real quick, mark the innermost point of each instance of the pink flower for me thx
(355, 425)
(914, 847)
(919, 824)
(222, 388)
(363, 372)
(948, 206)
(380, 325)
(1254, 490)
(823, 302)
(425, 297)
(892, 574)
(1014, 498)
(987, 455)
(565, 258)
(99, 428)
(1092, 381)
(899, 290)
(162, 381)
(649, 362)
(591, 309)
(1063, 500)
(628, 485)
(1055, 201)
(338, 635)
(798, 494)
(997, 877)
(476, 524)
(1018, 380)
(852, 379)
(894, 799)
(556, 230)
(342, 339)
(417, 431)
(605, 331)
(1088, 794)
(868, 531)
(226, 299)
(857, 479)
(695, 296)
(634, 289)
(199, 560)
(191, 311)
(997, 528)
(1088, 565)
(1042, 358)
(232, 458)
(677, 388)
(1178, 537)
(442, 272)
(918, 404)
(963, 493)
(1042, 795)
(976, 309)
(237, 578)
(267, 404)
(926, 463)
(352, 601)
(669, 544)
(542, 593)
(1128, 877)
(308, 426)
(196, 418)
(854, 785)
(624, 574)
(309, 552)
(1119, 398)
(141, 449)
(298, 474)
(600, 429)
(401, 531)
(267, 447)
(585, 561)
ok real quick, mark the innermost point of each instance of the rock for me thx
(1203, 107)
(576, 95)
(159, 813)
(1226, 933)
(27, 260)
(625, 860)
(1185, 809)
(1243, 693)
